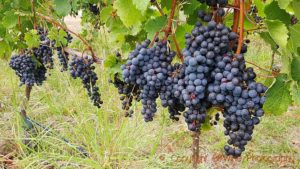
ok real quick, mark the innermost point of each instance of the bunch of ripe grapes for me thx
(211, 75)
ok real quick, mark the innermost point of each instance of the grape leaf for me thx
(278, 96)
(10, 19)
(294, 41)
(105, 14)
(273, 12)
(141, 5)
(59, 36)
(190, 7)
(268, 39)
(62, 7)
(278, 32)
(296, 7)
(110, 61)
(180, 33)
(167, 4)
(295, 69)
(155, 25)
(32, 39)
(260, 7)
(128, 13)
(283, 4)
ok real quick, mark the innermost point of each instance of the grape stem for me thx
(241, 23)
(27, 92)
(19, 23)
(235, 19)
(272, 60)
(266, 76)
(235, 16)
(168, 29)
(59, 25)
(260, 68)
(78, 54)
(159, 8)
(255, 29)
(195, 148)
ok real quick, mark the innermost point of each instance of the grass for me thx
(113, 141)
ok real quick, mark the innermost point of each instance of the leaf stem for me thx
(168, 29)
(260, 68)
(241, 22)
(235, 16)
(159, 8)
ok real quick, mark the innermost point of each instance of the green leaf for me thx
(32, 39)
(62, 7)
(278, 32)
(278, 96)
(295, 69)
(180, 33)
(59, 36)
(128, 13)
(273, 12)
(260, 7)
(167, 4)
(141, 5)
(105, 14)
(283, 4)
(294, 41)
(190, 7)
(10, 19)
(268, 39)
(296, 7)
(110, 61)
(155, 25)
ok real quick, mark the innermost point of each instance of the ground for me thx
(114, 141)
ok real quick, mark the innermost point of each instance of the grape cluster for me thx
(63, 56)
(148, 68)
(233, 87)
(225, 83)
(211, 75)
(128, 93)
(44, 52)
(221, 3)
(27, 70)
(83, 68)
